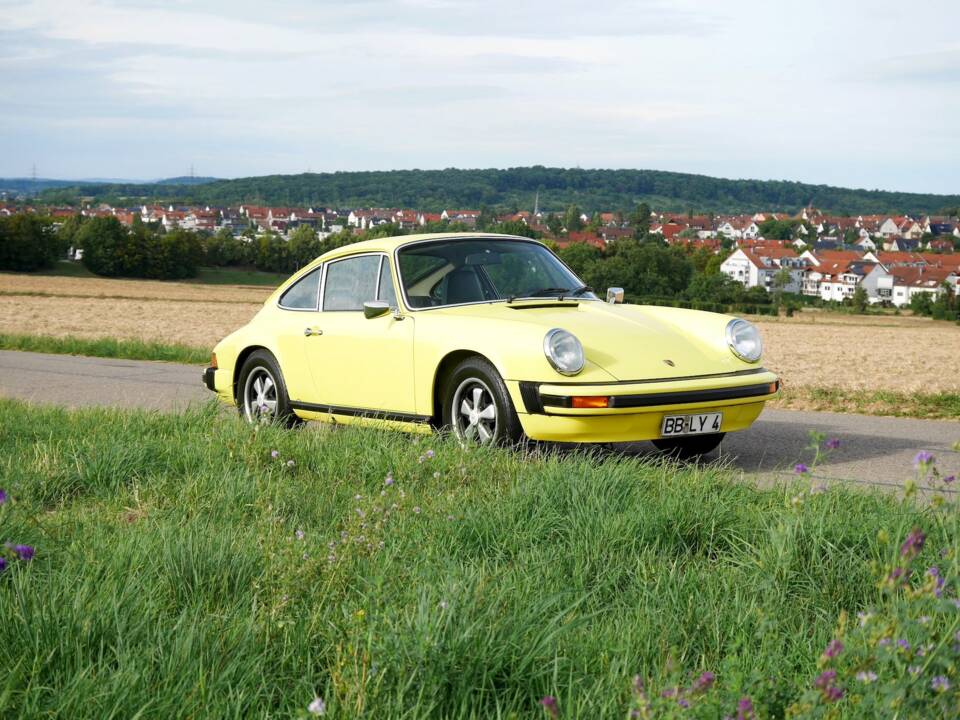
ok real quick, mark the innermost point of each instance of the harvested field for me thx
(903, 354)
(185, 322)
(814, 349)
(13, 285)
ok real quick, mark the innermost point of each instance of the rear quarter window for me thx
(303, 294)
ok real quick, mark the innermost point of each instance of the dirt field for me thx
(813, 349)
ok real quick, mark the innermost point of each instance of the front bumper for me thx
(635, 410)
(210, 378)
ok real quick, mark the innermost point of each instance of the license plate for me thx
(691, 424)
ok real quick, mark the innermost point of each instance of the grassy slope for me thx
(169, 581)
(205, 275)
(105, 347)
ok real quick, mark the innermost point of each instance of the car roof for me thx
(389, 244)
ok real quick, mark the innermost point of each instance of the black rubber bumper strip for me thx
(360, 412)
(208, 378)
(535, 402)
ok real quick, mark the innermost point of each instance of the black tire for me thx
(459, 394)
(688, 448)
(261, 365)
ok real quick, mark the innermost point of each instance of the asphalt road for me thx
(873, 450)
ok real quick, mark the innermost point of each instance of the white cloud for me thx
(822, 92)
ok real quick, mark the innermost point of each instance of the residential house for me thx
(757, 267)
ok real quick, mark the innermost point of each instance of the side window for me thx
(387, 293)
(302, 295)
(351, 283)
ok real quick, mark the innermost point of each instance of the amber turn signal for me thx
(774, 386)
(590, 401)
(213, 360)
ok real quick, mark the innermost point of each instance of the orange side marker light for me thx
(590, 401)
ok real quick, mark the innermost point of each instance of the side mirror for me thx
(614, 295)
(375, 308)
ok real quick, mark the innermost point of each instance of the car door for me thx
(361, 364)
(295, 310)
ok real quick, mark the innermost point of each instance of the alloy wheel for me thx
(474, 411)
(260, 396)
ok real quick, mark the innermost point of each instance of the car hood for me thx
(630, 342)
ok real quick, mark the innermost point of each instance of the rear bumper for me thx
(210, 378)
(635, 410)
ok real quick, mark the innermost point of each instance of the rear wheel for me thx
(261, 392)
(687, 448)
(477, 406)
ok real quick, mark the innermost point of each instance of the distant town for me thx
(812, 253)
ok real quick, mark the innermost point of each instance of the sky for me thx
(855, 93)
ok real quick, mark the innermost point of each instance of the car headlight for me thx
(564, 351)
(744, 340)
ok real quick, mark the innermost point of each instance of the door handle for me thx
(312, 331)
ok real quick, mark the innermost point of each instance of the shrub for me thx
(28, 243)
(111, 249)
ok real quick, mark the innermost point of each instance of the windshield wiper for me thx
(559, 292)
(547, 291)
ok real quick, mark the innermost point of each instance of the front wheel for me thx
(687, 448)
(262, 393)
(477, 406)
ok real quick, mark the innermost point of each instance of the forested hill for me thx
(591, 190)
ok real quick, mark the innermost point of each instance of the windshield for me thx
(454, 272)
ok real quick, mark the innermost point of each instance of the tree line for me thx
(518, 188)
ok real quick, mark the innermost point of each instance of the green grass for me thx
(169, 581)
(105, 347)
(874, 402)
(237, 276)
(205, 275)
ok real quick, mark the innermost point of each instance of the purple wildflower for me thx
(896, 574)
(24, 552)
(703, 683)
(884, 642)
(274, 454)
(825, 679)
(903, 645)
(832, 694)
(389, 479)
(940, 683)
(832, 443)
(3, 564)
(922, 459)
(3, 496)
(683, 703)
(669, 693)
(800, 469)
(317, 707)
(430, 454)
(745, 709)
(914, 669)
(949, 479)
(550, 704)
(300, 534)
(834, 648)
(934, 572)
(913, 543)
(867, 676)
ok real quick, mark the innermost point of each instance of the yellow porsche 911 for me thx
(495, 338)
